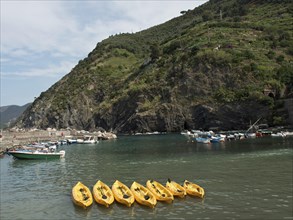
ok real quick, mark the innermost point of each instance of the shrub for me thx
(271, 54)
(224, 95)
(248, 54)
(171, 47)
(280, 59)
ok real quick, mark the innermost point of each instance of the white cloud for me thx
(56, 26)
(41, 39)
(49, 71)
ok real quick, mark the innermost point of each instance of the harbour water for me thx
(244, 179)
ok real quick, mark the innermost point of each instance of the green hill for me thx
(223, 64)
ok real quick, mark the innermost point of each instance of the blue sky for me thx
(41, 41)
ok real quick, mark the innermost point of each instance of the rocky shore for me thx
(11, 138)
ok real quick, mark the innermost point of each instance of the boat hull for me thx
(160, 192)
(143, 195)
(103, 194)
(193, 189)
(81, 195)
(122, 193)
(176, 189)
(36, 156)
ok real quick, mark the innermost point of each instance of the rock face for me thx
(192, 72)
(126, 118)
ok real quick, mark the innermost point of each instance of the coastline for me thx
(10, 139)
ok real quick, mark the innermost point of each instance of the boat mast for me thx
(253, 125)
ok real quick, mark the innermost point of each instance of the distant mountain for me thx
(10, 113)
(221, 65)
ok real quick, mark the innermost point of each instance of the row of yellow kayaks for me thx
(148, 196)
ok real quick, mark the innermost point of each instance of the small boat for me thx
(122, 193)
(160, 192)
(215, 139)
(79, 141)
(250, 135)
(87, 139)
(279, 134)
(70, 140)
(36, 154)
(103, 194)
(175, 188)
(203, 140)
(81, 195)
(193, 189)
(143, 195)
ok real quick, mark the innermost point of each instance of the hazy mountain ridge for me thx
(223, 64)
(10, 113)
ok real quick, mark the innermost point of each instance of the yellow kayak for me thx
(160, 192)
(122, 193)
(103, 194)
(143, 195)
(175, 188)
(193, 189)
(81, 195)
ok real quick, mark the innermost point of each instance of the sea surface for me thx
(243, 179)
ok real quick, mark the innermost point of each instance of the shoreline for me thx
(10, 139)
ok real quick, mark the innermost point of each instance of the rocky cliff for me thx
(223, 64)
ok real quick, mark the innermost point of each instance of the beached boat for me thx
(36, 154)
(103, 194)
(81, 195)
(176, 189)
(143, 195)
(122, 193)
(193, 189)
(160, 192)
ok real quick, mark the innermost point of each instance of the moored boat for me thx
(203, 140)
(193, 189)
(36, 154)
(122, 193)
(81, 195)
(143, 195)
(87, 139)
(160, 192)
(175, 188)
(103, 194)
(279, 134)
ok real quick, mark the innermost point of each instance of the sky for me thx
(41, 41)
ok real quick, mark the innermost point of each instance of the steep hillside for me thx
(10, 113)
(223, 64)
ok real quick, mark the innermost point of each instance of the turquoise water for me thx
(247, 179)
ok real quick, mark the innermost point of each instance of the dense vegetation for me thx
(225, 52)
